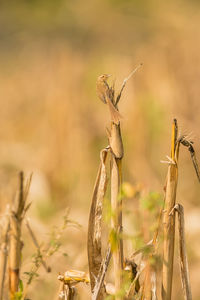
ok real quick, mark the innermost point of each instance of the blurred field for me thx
(52, 123)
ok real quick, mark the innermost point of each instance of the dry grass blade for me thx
(16, 218)
(148, 248)
(27, 186)
(194, 161)
(94, 226)
(4, 250)
(183, 254)
(124, 83)
(101, 276)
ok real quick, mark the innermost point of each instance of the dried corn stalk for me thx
(169, 220)
(16, 218)
(94, 226)
(182, 253)
(170, 201)
(117, 151)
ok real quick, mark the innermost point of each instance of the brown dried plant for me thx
(115, 150)
(16, 217)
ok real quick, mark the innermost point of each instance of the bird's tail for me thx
(115, 115)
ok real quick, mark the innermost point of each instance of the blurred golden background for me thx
(53, 124)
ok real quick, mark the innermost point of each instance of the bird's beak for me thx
(107, 76)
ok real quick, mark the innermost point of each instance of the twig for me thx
(102, 273)
(124, 83)
(35, 242)
(189, 144)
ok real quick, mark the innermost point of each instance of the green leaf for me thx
(152, 202)
(114, 238)
(21, 286)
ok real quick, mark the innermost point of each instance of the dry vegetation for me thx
(132, 277)
(52, 124)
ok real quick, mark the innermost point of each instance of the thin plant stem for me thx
(4, 251)
(47, 268)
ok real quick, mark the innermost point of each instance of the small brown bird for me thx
(131, 269)
(105, 94)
